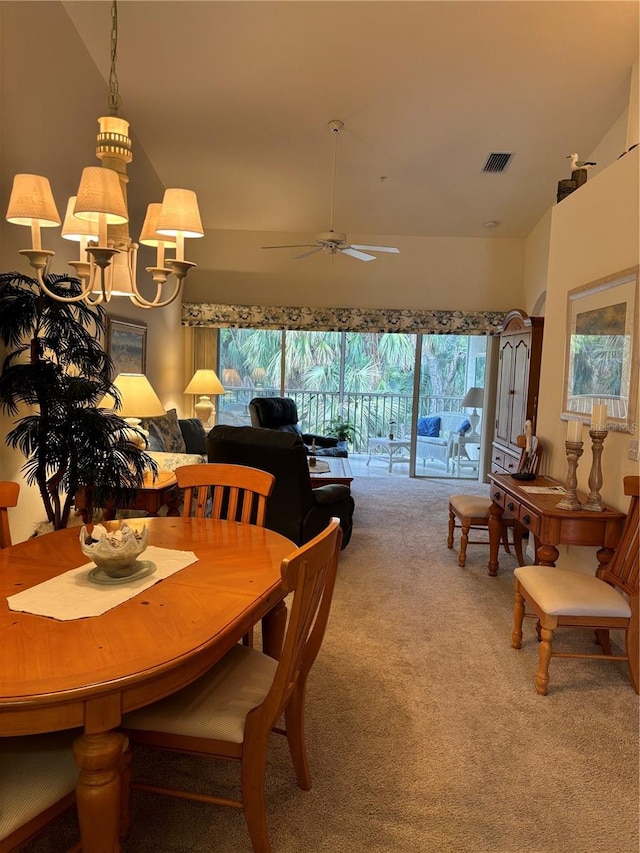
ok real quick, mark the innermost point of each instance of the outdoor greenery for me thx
(54, 375)
(365, 379)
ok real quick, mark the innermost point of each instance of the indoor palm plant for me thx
(56, 366)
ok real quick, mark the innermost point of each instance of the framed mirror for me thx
(601, 355)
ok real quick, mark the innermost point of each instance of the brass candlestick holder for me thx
(594, 501)
(570, 499)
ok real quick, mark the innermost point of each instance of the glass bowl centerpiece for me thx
(115, 552)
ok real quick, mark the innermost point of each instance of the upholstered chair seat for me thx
(561, 591)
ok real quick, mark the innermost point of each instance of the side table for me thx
(150, 498)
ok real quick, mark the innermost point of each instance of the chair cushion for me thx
(216, 705)
(429, 426)
(35, 773)
(561, 592)
(471, 505)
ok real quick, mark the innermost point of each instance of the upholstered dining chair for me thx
(606, 601)
(37, 784)
(227, 491)
(9, 492)
(472, 513)
(230, 712)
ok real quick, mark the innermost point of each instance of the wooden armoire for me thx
(517, 389)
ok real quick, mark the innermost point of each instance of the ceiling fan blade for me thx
(306, 254)
(354, 254)
(377, 248)
(294, 246)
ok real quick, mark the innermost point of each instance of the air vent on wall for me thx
(497, 162)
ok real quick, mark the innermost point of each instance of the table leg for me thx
(99, 757)
(546, 555)
(495, 535)
(274, 624)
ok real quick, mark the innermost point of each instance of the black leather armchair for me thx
(294, 508)
(281, 413)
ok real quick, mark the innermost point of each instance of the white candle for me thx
(574, 430)
(599, 416)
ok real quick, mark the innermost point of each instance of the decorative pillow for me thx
(194, 435)
(429, 426)
(169, 429)
(155, 442)
(464, 426)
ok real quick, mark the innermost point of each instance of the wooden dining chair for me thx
(9, 492)
(230, 712)
(472, 512)
(37, 784)
(606, 601)
(218, 490)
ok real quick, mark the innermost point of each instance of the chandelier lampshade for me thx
(107, 267)
(74, 228)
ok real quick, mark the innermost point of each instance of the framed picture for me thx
(127, 345)
(601, 357)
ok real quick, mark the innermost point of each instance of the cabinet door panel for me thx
(505, 392)
(521, 354)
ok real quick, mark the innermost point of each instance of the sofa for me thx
(434, 433)
(175, 441)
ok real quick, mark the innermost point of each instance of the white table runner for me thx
(73, 596)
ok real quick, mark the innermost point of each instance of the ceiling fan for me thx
(331, 242)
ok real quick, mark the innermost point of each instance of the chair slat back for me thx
(9, 492)
(622, 569)
(219, 490)
(310, 573)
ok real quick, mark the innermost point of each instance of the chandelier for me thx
(97, 218)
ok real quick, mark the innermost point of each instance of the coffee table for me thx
(392, 446)
(339, 472)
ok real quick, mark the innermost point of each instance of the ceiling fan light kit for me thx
(333, 242)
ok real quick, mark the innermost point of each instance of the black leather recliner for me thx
(281, 413)
(294, 508)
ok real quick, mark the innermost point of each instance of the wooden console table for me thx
(153, 495)
(538, 513)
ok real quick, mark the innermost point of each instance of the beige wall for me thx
(594, 233)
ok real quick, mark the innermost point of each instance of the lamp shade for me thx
(74, 228)
(100, 192)
(204, 382)
(179, 214)
(149, 235)
(139, 400)
(473, 398)
(31, 202)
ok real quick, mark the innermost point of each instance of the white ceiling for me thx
(232, 99)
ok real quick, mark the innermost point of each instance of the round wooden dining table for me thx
(88, 672)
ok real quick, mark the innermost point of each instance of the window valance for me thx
(342, 319)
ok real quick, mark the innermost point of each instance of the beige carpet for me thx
(424, 730)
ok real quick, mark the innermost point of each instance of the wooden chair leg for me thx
(603, 640)
(253, 772)
(452, 527)
(464, 539)
(544, 657)
(518, 618)
(633, 643)
(517, 543)
(294, 717)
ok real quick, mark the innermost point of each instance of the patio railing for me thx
(371, 414)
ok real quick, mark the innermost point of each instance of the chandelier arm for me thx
(86, 290)
(142, 302)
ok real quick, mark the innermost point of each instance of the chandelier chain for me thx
(114, 99)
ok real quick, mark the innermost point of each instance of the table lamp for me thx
(473, 397)
(205, 383)
(139, 400)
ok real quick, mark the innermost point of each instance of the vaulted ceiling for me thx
(233, 100)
